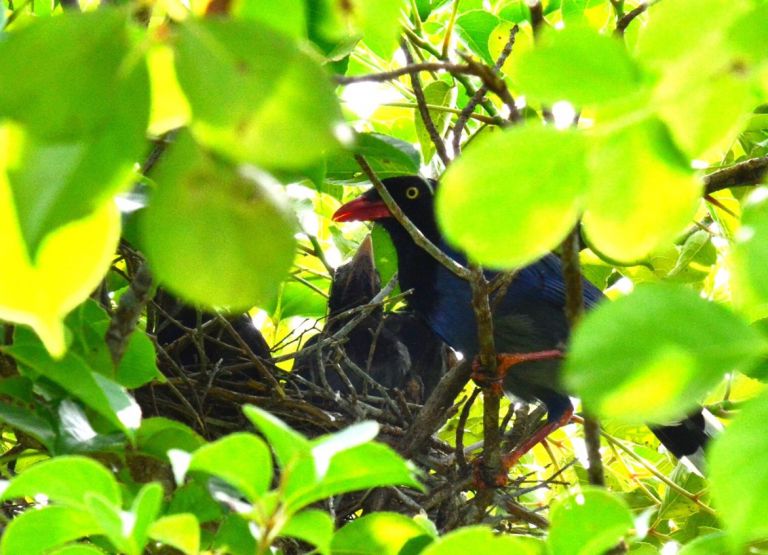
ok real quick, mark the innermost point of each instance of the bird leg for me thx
(505, 361)
(510, 459)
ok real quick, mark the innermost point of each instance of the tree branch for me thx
(748, 172)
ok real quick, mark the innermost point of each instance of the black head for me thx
(413, 194)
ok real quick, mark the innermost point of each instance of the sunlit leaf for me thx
(286, 443)
(387, 156)
(242, 460)
(650, 356)
(642, 192)
(36, 531)
(511, 198)
(215, 234)
(438, 93)
(478, 539)
(180, 531)
(742, 502)
(750, 275)
(475, 28)
(381, 533)
(39, 292)
(65, 480)
(589, 522)
(576, 64)
(311, 525)
(256, 108)
(286, 16)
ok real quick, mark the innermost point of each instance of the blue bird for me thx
(530, 326)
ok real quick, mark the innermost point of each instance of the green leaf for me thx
(387, 156)
(287, 444)
(475, 28)
(642, 194)
(241, 459)
(75, 549)
(313, 526)
(139, 363)
(650, 356)
(157, 435)
(438, 93)
(30, 423)
(195, 499)
(114, 523)
(145, 508)
(326, 447)
(215, 234)
(286, 16)
(532, 176)
(362, 467)
(379, 23)
(67, 480)
(479, 539)
(180, 531)
(37, 531)
(73, 374)
(256, 108)
(750, 276)
(576, 64)
(40, 292)
(81, 136)
(381, 533)
(234, 537)
(742, 503)
(706, 545)
(589, 522)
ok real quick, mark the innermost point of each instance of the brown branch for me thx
(574, 308)
(426, 117)
(537, 15)
(123, 321)
(461, 121)
(748, 172)
(461, 460)
(630, 16)
(410, 69)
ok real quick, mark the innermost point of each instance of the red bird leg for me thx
(510, 459)
(505, 361)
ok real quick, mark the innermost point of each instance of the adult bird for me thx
(530, 326)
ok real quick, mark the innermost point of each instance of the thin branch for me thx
(574, 308)
(410, 69)
(449, 28)
(426, 117)
(415, 233)
(747, 172)
(124, 320)
(461, 460)
(537, 15)
(630, 16)
(461, 121)
(435, 108)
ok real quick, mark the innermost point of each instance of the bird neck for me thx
(416, 269)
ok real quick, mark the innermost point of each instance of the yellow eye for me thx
(411, 193)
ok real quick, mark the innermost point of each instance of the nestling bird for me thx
(529, 320)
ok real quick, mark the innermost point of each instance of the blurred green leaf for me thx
(586, 523)
(532, 176)
(180, 531)
(652, 355)
(113, 523)
(706, 545)
(81, 136)
(29, 422)
(256, 108)
(738, 479)
(313, 526)
(36, 531)
(381, 533)
(240, 459)
(234, 537)
(475, 28)
(67, 480)
(144, 510)
(479, 539)
(642, 192)
(750, 276)
(199, 200)
(157, 435)
(286, 16)
(576, 64)
(75, 549)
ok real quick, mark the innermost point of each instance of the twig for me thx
(461, 121)
(461, 460)
(435, 108)
(630, 16)
(537, 15)
(426, 118)
(123, 321)
(410, 69)
(415, 233)
(449, 28)
(574, 308)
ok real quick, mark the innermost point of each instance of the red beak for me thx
(362, 209)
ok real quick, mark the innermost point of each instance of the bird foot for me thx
(505, 361)
(510, 459)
